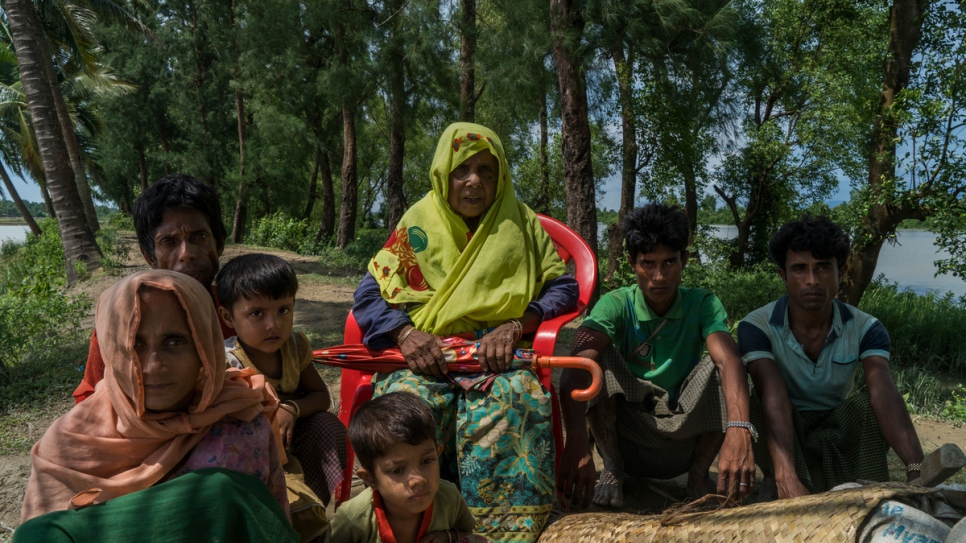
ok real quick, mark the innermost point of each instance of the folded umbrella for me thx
(460, 356)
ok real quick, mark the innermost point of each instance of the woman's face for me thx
(472, 187)
(170, 363)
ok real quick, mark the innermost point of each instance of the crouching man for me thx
(802, 352)
(663, 410)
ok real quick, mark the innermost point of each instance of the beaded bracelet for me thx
(913, 467)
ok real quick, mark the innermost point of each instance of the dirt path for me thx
(322, 305)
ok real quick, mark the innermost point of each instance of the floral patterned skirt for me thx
(497, 446)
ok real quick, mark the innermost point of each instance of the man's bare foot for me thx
(609, 491)
(701, 486)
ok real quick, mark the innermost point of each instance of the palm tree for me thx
(33, 56)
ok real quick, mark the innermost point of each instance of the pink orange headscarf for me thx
(109, 445)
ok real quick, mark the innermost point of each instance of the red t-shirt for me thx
(94, 370)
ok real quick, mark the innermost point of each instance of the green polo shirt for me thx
(626, 318)
(823, 384)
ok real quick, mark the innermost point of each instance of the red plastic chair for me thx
(357, 385)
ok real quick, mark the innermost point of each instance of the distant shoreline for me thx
(12, 221)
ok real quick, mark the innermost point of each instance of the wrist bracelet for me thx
(746, 425)
(914, 467)
(517, 328)
(296, 410)
(404, 335)
(449, 535)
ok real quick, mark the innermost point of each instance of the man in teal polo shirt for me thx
(803, 352)
(663, 410)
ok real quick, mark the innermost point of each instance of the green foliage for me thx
(41, 338)
(37, 265)
(8, 209)
(926, 330)
(354, 259)
(740, 292)
(279, 231)
(955, 408)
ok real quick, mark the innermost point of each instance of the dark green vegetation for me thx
(42, 343)
(325, 114)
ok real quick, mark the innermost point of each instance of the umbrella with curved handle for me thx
(460, 357)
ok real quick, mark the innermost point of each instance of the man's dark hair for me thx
(256, 274)
(655, 224)
(384, 421)
(818, 235)
(176, 191)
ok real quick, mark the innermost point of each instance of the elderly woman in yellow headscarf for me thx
(469, 258)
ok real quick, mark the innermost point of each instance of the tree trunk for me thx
(625, 77)
(567, 27)
(467, 71)
(543, 198)
(200, 47)
(142, 163)
(396, 197)
(313, 185)
(327, 226)
(31, 46)
(241, 207)
(24, 212)
(347, 217)
(48, 203)
(905, 24)
(73, 148)
(690, 202)
(164, 143)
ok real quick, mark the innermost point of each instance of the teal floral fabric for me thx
(497, 446)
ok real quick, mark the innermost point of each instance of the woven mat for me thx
(830, 516)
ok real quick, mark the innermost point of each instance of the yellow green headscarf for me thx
(455, 281)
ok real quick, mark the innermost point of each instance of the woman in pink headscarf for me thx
(167, 408)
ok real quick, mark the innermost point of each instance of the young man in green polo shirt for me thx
(663, 410)
(803, 352)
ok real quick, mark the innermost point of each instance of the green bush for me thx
(926, 330)
(37, 265)
(281, 232)
(355, 257)
(42, 346)
(41, 338)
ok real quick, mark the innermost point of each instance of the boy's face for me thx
(659, 276)
(261, 323)
(407, 478)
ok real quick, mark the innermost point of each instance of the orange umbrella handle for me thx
(575, 362)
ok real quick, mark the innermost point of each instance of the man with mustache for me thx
(802, 352)
(179, 228)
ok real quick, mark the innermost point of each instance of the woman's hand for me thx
(496, 348)
(422, 351)
(286, 424)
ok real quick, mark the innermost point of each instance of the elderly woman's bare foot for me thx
(609, 491)
(698, 487)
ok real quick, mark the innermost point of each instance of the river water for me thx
(13, 232)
